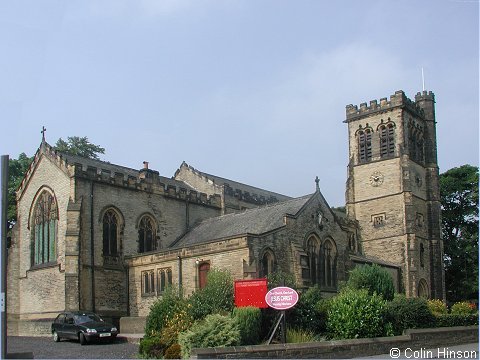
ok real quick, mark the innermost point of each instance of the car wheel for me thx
(82, 339)
(56, 338)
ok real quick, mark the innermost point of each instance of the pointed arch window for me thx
(147, 235)
(365, 145)
(330, 264)
(313, 251)
(110, 233)
(267, 265)
(45, 229)
(387, 140)
(422, 289)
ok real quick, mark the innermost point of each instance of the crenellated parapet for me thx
(399, 99)
(230, 189)
(149, 182)
(249, 197)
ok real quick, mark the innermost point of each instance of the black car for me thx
(81, 325)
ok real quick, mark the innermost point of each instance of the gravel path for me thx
(46, 348)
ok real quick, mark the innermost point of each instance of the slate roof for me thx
(254, 221)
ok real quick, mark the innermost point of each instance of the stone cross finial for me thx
(44, 129)
(317, 181)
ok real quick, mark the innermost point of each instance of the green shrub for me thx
(215, 297)
(249, 321)
(408, 313)
(462, 308)
(176, 323)
(447, 320)
(305, 314)
(173, 352)
(151, 347)
(295, 335)
(373, 278)
(437, 307)
(214, 330)
(165, 307)
(356, 314)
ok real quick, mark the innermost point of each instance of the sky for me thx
(252, 91)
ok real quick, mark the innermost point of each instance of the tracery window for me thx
(147, 235)
(387, 140)
(44, 229)
(110, 233)
(329, 262)
(313, 251)
(365, 145)
(267, 264)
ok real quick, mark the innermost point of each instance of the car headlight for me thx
(91, 331)
(113, 329)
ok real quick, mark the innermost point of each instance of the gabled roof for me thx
(254, 221)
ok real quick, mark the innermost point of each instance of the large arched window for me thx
(110, 233)
(365, 145)
(267, 264)
(147, 235)
(329, 264)
(387, 140)
(313, 251)
(44, 229)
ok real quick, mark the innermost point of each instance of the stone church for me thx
(102, 237)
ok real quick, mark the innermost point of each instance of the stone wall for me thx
(40, 290)
(424, 339)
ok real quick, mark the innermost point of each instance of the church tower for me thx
(393, 187)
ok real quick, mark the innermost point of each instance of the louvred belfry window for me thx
(387, 140)
(365, 145)
(45, 229)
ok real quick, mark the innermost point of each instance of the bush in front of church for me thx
(215, 297)
(310, 312)
(409, 313)
(249, 321)
(357, 314)
(215, 330)
(374, 279)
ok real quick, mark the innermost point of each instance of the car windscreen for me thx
(86, 318)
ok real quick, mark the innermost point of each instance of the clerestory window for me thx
(110, 233)
(147, 235)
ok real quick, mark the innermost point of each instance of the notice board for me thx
(250, 293)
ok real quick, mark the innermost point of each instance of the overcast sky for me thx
(254, 91)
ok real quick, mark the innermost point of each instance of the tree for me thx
(16, 171)
(79, 146)
(459, 198)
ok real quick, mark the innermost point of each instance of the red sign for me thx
(250, 293)
(281, 298)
